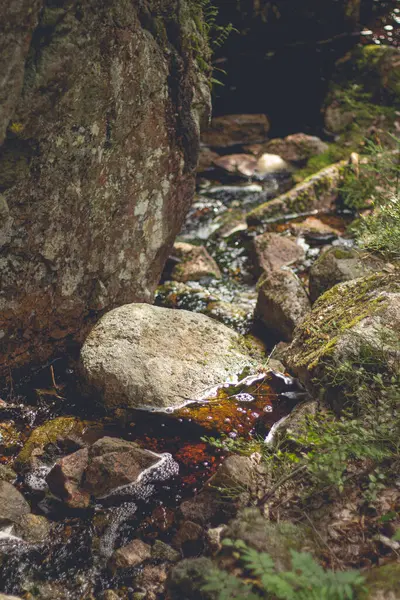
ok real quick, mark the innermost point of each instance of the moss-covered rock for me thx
(318, 192)
(365, 90)
(339, 264)
(343, 319)
(383, 582)
(48, 433)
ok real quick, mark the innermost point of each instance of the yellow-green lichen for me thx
(338, 310)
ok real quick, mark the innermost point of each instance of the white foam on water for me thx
(36, 479)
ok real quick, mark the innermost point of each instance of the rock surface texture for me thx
(141, 356)
(100, 109)
(351, 315)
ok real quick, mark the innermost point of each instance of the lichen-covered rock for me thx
(318, 192)
(340, 264)
(195, 264)
(282, 303)
(297, 147)
(357, 312)
(7, 473)
(273, 251)
(230, 130)
(141, 356)
(102, 105)
(48, 433)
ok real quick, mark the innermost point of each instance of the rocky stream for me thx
(118, 471)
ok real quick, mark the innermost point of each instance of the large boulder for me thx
(141, 356)
(348, 320)
(100, 110)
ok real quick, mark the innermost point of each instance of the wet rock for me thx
(282, 303)
(141, 356)
(278, 539)
(272, 251)
(13, 505)
(195, 264)
(236, 313)
(110, 595)
(340, 264)
(4, 597)
(151, 580)
(7, 473)
(383, 582)
(350, 315)
(65, 479)
(318, 192)
(9, 437)
(297, 147)
(121, 140)
(231, 130)
(114, 463)
(34, 529)
(131, 555)
(189, 539)
(48, 433)
(186, 580)
(164, 553)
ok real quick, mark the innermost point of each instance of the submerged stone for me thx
(141, 356)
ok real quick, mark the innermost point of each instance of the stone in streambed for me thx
(131, 555)
(65, 479)
(282, 303)
(297, 147)
(114, 463)
(318, 192)
(141, 356)
(13, 505)
(195, 264)
(272, 251)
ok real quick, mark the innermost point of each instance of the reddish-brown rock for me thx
(98, 161)
(65, 478)
(273, 251)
